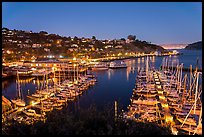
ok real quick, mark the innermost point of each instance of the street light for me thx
(74, 58)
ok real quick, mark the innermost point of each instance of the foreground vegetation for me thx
(89, 121)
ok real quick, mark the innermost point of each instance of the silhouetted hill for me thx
(195, 46)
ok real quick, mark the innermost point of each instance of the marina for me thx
(156, 96)
(166, 98)
(46, 100)
(94, 69)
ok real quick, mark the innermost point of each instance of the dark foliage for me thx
(89, 121)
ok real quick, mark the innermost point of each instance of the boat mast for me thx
(184, 90)
(180, 77)
(196, 93)
(46, 80)
(77, 72)
(147, 69)
(18, 83)
(64, 71)
(54, 80)
(190, 111)
(190, 79)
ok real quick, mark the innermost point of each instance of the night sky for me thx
(156, 22)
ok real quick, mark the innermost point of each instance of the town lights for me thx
(8, 52)
(74, 58)
(53, 68)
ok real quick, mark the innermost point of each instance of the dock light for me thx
(169, 119)
(32, 103)
(165, 105)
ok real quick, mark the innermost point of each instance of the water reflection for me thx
(110, 73)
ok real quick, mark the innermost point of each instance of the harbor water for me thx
(112, 84)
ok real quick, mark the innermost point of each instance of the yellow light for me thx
(161, 97)
(53, 68)
(74, 58)
(159, 87)
(169, 119)
(174, 131)
(32, 103)
(74, 65)
(165, 105)
(8, 52)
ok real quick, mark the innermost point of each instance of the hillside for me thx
(22, 45)
(142, 46)
(195, 46)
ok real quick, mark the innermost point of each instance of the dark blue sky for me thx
(156, 22)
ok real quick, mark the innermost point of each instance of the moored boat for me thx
(114, 65)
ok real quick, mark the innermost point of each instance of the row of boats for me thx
(165, 98)
(48, 99)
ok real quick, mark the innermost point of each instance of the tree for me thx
(43, 32)
(131, 37)
(123, 39)
(69, 38)
(93, 37)
(75, 39)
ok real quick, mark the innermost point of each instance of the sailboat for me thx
(18, 102)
